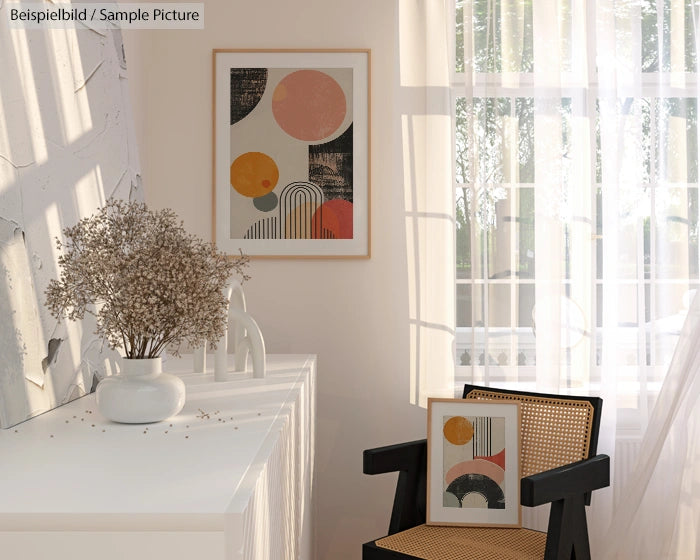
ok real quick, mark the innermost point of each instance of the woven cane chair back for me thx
(553, 431)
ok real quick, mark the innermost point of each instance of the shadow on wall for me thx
(66, 145)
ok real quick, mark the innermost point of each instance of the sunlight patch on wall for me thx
(26, 76)
(74, 107)
(21, 337)
(89, 192)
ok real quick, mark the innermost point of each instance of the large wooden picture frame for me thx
(473, 463)
(291, 152)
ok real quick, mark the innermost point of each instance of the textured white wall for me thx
(66, 145)
(353, 313)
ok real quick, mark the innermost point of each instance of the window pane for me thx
(525, 113)
(693, 248)
(501, 144)
(526, 303)
(677, 153)
(670, 307)
(463, 235)
(678, 49)
(673, 233)
(459, 36)
(650, 36)
(499, 305)
(491, 138)
(463, 126)
(526, 232)
(499, 236)
(502, 35)
(633, 159)
(464, 305)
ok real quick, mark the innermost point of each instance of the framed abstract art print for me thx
(473, 463)
(291, 152)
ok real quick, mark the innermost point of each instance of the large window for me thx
(576, 177)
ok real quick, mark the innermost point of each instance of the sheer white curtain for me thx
(424, 126)
(577, 257)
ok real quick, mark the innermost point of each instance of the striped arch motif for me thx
(300, 215)
(267, 228)
(301, 212)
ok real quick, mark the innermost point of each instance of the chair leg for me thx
(567, 536)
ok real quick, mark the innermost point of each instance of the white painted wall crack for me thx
(90, 75)
(119, 182)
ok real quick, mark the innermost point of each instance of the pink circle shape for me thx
(309, 105)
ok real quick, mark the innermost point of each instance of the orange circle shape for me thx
(458, 430)
(309, 105)
(254, 174)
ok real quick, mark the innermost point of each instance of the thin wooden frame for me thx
(282, 189)
(473, 463)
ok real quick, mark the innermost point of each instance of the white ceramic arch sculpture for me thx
(246, 338)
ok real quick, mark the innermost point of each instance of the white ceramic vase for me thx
(140, 393)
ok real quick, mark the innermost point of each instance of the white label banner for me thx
(145, 15)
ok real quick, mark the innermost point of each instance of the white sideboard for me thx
(228, 478)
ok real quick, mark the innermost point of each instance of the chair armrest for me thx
(391, 458)
(577, 478)
(409, 499)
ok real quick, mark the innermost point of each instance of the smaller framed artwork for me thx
(473, 463)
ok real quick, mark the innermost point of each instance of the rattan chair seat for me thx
(467, 543)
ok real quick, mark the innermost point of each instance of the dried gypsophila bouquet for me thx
(149, 283)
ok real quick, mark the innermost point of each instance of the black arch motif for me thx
(298, 195)
(480, 484)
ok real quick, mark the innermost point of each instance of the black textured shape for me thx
(247, 88)
(330, 166)
(474, 483)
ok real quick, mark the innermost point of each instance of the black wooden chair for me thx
(559, 465)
